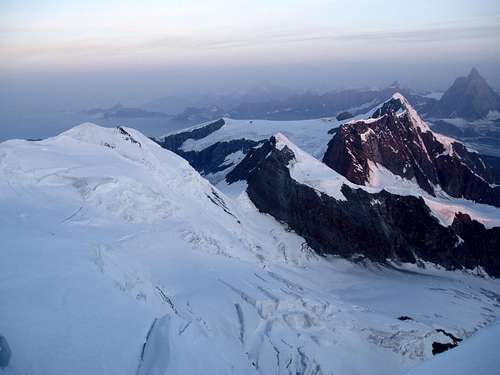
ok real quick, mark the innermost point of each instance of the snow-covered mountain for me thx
(118, 257)
(396, 138)
(395, 221)
(215, 148)
(394, 152)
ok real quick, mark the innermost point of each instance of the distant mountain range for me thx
(469, 110)
(470, 98)
(308, 105)
(119, 111)
(187, 107)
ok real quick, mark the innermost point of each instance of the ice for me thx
(118, 258)
(478, 356)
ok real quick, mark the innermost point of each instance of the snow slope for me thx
(478, 356)
(442, 205)
(311, 135)
(119, 258)
(313, 173)
(309, 139)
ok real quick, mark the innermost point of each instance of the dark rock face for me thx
(404, 317)
(451, 336)
(251, 161)
(469, 97)
(348, 161)
(395, 140)
(389, 107)
(471, 182)
(493, 164)
(379, 226)
(5, 352)
(388, 139)
(483, 244)
(211, 159)
(344, 116)
(174, 142)
(438, 347)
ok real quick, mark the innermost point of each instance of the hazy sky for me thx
(136, 50)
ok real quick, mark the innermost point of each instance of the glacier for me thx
(119, 258)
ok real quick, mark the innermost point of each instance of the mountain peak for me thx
(401, 98)
(469, 97)
(398, 105)
(395, 105)
(399, 140)
(110, 137)
(282, 141)
(474, 73)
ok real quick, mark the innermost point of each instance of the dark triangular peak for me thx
(474, 74)
(397, 139)
(469, 97)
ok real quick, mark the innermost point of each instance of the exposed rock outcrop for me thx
(174, 141)
(211, 159)
(439, 347)
(342, 116)
(397, 139)
(5, 352)
(482, 243)
(380, 226)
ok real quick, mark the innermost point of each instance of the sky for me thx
(70, 53)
